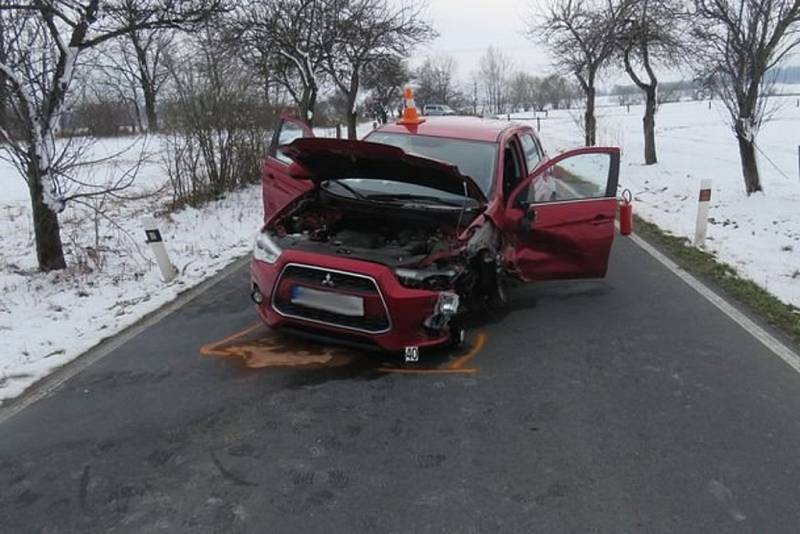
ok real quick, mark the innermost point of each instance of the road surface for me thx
(629, 404)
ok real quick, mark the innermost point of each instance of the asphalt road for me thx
(624, 405)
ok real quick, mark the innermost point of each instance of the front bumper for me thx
(393, 314)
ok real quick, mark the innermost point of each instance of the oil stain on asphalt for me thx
(258, 347)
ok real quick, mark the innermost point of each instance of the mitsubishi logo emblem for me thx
(328, 281)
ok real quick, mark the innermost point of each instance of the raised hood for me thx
(326, 159)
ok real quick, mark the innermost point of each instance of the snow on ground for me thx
(46, 320)
(759, 235)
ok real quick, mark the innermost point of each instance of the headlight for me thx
(266, 249)
(447, 303)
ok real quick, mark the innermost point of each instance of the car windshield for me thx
(475, 159)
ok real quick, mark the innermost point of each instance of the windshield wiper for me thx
(401, 197)
(346, 187)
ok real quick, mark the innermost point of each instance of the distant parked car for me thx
(437, 109)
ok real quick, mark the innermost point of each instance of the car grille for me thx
(373, 322)
(341, 281)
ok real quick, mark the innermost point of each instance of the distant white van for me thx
(437, 109)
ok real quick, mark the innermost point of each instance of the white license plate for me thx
(325, 300)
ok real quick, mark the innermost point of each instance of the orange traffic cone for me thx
(410, 113)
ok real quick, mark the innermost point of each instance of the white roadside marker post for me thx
(702, 213)
(156, 243)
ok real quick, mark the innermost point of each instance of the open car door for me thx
(568, 232)
(277, 187)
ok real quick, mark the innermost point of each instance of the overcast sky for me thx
(468, 27)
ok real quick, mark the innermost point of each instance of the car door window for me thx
(530, 148)
(579, 176)
(287, 132)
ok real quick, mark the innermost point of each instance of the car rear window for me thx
(475, 159)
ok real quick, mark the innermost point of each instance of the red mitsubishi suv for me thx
(387, 241)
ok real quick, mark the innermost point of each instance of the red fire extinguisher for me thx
(626, 213)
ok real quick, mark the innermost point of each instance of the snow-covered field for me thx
(760, 234)
(47, 320)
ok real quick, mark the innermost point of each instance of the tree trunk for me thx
(747, 151)
(307, 104)
(649, 123)
(49, 251)
(352, 118)
(150, 109)
(3, 102)
(589, 120)
(352, 94)
(5, 94)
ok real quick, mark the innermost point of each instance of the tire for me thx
(457, 336)
(493, 283)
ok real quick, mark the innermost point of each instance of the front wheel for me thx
(457, 336)
(492, 281)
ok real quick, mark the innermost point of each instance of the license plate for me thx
(349, 305)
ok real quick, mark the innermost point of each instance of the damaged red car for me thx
(386, 242)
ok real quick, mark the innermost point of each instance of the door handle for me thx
(599, 219)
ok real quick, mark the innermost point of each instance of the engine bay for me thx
(390, 240)
(422, 248)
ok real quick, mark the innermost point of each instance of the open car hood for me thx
(326, 159)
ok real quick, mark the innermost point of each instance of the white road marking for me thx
(768, 340)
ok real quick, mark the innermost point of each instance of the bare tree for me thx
(384, 79)
(367, 31)
(114, 74)
(582, 37)
(649, 34)
(555, 91)
(291, 39)
(737, 43)
(495, 69)
(217, 122)
(47, 38)
(523, 90)
(143, 50)
(436, 80)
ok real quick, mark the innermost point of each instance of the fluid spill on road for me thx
(258, 347)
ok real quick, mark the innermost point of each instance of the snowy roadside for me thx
(46, 320)
(759, 235)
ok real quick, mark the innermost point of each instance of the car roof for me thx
(469, 128)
